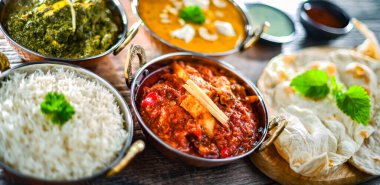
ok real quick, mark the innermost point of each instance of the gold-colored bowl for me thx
(135, 81)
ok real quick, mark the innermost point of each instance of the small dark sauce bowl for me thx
(321, 31)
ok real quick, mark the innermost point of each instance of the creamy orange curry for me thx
(222, 30)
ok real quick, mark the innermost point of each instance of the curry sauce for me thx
(150, 10)
(182, 122)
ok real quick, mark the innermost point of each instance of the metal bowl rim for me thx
(212, 62)
(123, 34)
(127, 119)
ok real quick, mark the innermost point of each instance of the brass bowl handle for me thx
(4, 62)
(130, 35)
(262, 29)
(278, 122)
(136, 148)
(134, 50)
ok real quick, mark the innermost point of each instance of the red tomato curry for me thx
(181, 121)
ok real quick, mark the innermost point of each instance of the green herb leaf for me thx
(56, 107)
(312, 84)
(337, 89)
(355, 102)
(193, 14)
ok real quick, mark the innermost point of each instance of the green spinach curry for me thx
(47, 27)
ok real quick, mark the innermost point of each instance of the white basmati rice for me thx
(31, 144)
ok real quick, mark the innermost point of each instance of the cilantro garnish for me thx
(355, 102)
(312, 84)
(56, 107)
(193, 14)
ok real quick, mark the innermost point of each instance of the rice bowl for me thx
(88, 144)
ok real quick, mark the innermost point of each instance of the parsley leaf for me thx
(56, 107)
(312, 84)
(355, 102)
(193, 14)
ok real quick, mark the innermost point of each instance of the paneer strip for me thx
(183, 73)
(206, 102)
(200, 113)
(252, 99)
(180, 71)
(223, 87)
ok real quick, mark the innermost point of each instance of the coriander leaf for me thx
(312, 84)
(193, 14)
(355, 102)
(56, 107)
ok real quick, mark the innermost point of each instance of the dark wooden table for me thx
(153, 168)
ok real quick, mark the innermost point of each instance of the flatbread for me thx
(367, 158)
(307, 144)
(319, 137)
(370, 47)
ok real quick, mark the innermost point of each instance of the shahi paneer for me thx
(206, 26)
(181, 120)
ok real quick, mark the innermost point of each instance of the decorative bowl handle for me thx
(130, 35)
(256, 36)
(278, 122)
(136, 148)
(134, 50)
(4, 62)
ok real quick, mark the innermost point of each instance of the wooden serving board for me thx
(271, 164)
(274, 166)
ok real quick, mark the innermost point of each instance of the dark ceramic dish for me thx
(317, 30)
(165, 60)
(119, 16)
(125, 155)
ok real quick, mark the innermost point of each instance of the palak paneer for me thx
(62, 28)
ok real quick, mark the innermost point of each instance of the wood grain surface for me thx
(153, 168)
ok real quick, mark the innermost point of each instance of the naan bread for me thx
(307, 144)
(367, 158)
(319, 137)
(370, 47)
